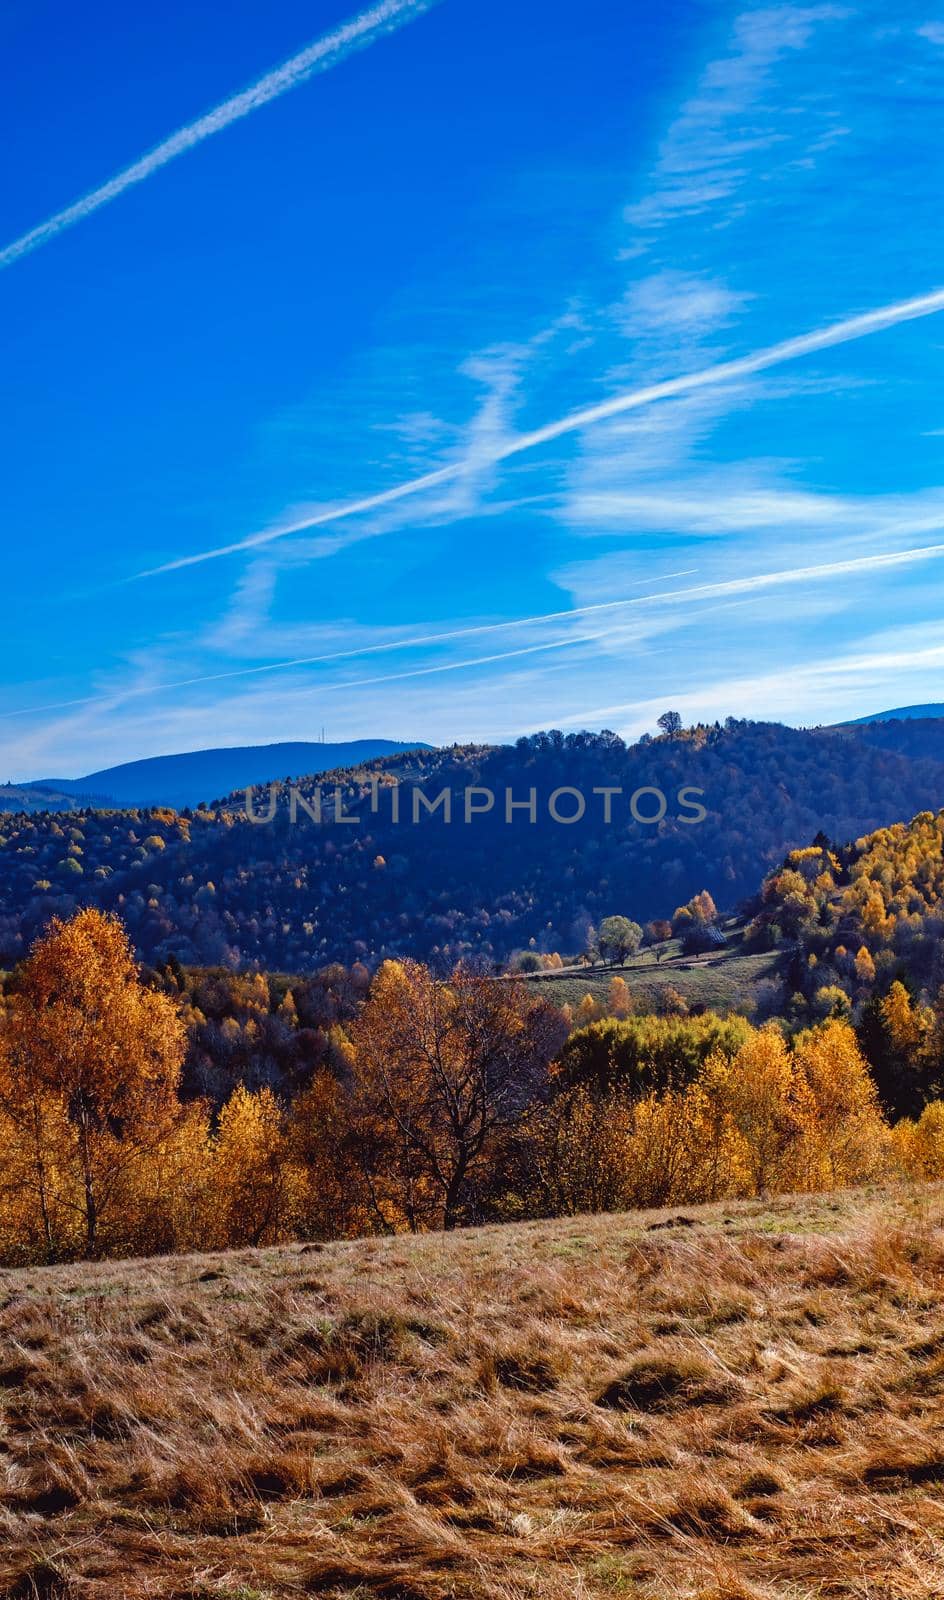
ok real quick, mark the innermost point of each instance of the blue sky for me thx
(484, 221)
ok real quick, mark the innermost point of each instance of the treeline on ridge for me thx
(209, 887)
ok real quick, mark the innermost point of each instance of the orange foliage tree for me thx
(90, 1063)
(440, 1068)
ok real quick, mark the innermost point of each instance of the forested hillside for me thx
(34, 797)
(426, 1103)
(211, 887)
(195, 775)
(862, 930)
(870, 910)
(918, 738)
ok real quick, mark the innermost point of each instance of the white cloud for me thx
(737, 115)
(829, 689)
(677, 305)
(745, 499)
(796, 348)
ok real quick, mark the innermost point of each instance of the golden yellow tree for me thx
(918, 1147)
(908, 1025)
(334, 1201)
(619, 1001)
(846, 1134)
(864, 966)
(579, 1150)
(253, 1189)
(660, 1151)
(89, 1069)
(718, 1156)
(589, 1010)
(768, 1108)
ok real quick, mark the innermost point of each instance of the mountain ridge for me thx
(901, 714)
(282, 891)
(185, 778)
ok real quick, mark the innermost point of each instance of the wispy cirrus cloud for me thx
(719, 589)
(889, 668)
(782, 194)
(744, 500)
(843, 331)
(327, 52)
(735, 118)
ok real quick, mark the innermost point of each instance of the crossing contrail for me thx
(774, 355)
(412, 642)
(718, 590)
(328, 51)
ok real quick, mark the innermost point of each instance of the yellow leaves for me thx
(768, 1120)
(439, 1069)
(847, 1137)
(251, 1181)
(582, 1152)
(831, 1000)
(791, 888)
(760, 1097)
(918, 1147)
(90, 1066)
(589, 1010)
(874, 918)
(288, 1011)
(434, 1107)
(807, 853)
(864, 966)
(619, 1000)
(907, 1025)
(772, 1119)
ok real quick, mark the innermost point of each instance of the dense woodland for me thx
(210, 888)
(183, 1104)
(133, 1119)
(862, 927)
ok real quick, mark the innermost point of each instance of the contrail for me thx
(413, 642)
(835, 333)
(325, 53)
(703, 591)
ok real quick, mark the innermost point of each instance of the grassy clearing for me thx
(720, 982)
(730, 1403)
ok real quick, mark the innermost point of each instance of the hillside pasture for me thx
(737, 1402)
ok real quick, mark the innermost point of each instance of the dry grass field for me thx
(721, 981)
(737, 1401)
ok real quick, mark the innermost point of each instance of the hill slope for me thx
(882, 895)
(736, 1403)
(917, 738)
(32, 797)
(294, 895)
(205, 775)
(721, 981)
(901, 714)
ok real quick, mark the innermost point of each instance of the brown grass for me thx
(747, 1407)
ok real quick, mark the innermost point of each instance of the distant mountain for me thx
(31, 797)
(902, 714)
(186, 779)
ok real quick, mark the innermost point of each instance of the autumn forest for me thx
(152, 1110)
